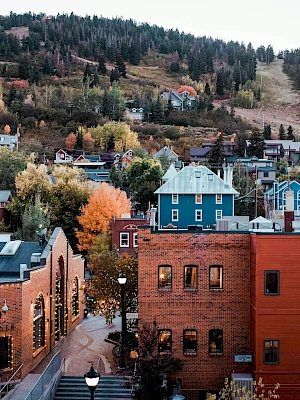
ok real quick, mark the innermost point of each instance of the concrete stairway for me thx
(109, 388)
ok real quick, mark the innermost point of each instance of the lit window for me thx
(75, 307)
(165, 276)
(190, 276)
(218, 214)
(190, 341)
(174, 198)
(135, 239)
(198, 198)
(39, 323)
(174, 215)
(271, 282)
(218, 199)
(5, 352)
(165, 341)
(215, 341)
(124, 239)
(216, 277)
(271, 352)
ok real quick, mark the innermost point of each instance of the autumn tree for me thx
(71, 142)
(104, 203)
(11, 163)
(88, 142)
(144, 177)
(6, 130)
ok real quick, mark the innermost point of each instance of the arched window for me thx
(75, 298)
(39, 323)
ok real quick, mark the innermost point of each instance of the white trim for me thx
(177, 214)
(221, 199)
(198, 219)
(175, 198)
(127, 235)
(219, 211)
(135, 235)
(198, 202)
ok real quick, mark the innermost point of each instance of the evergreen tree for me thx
(79, 139)
(175, 62)
(87, 71)
(207, 89)
(114, 75)
(158, 116)
(217, 156)
(290, 133)
(282, 135)
(256, 146)
(121, 66)
(220, 83)
(116, 177)
(105, 106)
(48, 66)
(240, 144)
(12, 95)
(267, 132)
(24, 68)
(102, 66)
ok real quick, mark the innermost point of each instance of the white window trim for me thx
(219, 201)
(127, 234)
(220, 211)
(198, 202)
(173, 219)
(135, 244)
(175, 199)
(196, 219)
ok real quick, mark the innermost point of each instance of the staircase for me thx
(109, 388)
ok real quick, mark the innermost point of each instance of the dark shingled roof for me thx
(10, 265)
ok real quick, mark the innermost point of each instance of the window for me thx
(190, 341)
(39, 323)
(75, 305)
(198, 215)
(216, 277)
(218, 199)
(164, 340)
(165, 276)
(174, 215)
(210, 177)
(124, 239)
(5, 352)
(174, 198)
(135, 239)
(271, 282)
(190, 276)
(215, 341)
(271, 351)
(266, 174)
(197, 174)
(218, 214)
(198, 198)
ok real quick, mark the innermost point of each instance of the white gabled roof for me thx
(192, 180)
(170, 173)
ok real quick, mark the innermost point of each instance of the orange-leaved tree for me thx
(104, 204)
(71, 142)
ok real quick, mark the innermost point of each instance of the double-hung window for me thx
(164, 276)
(216, 277)
(164, 341)
(198, 215)
(174, 198)
(218, 214)
(135, 239)
(124, 239)
(218, 199)
(174, 215)
(198, 198)
(215, 338)
(190, 341)
(190, 277)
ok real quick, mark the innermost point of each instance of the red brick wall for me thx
(21, 299)
(278, 317)
(202, 309)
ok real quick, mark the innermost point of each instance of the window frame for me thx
(75, 298)
(127, 235)
(135, 238)
(278, 351)
(198, 198)
(266, 293)
(167, 286)
(221, 279)
(210, 334)
(192, 349)
(196, 216)
(175, 199)
(177, 215)
(189, 287)
(220, 199)
(169, 341)
(219, 211)
(9, 352)
(39, 323)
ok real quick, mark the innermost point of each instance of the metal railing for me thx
(12, 381)
(46, 381)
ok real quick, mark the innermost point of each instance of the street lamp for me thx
(92, 377)
(4, 307)
(122, 281)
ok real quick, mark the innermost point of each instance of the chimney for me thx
(23, 268)
(152, 217)
(289, 211)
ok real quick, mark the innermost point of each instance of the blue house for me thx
(276, 198)
(195, 196)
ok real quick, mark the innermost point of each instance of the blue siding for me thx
(186, 209)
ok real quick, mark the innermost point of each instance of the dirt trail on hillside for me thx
(280, 103)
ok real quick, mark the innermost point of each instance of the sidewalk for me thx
(82, 346)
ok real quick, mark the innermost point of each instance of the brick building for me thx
(197, 288)
(124, 234)
(43, 289)
(224, 302)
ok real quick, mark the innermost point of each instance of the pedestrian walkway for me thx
(83, 346)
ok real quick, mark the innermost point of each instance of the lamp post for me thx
(92, 377)
(122, 281)
(4, 307)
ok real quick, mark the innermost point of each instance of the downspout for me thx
(51, 297)
(67, 277)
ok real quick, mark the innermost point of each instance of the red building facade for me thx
(44, 303)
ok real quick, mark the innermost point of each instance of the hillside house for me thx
(195, 196)
(62, 157)
(179, 101)
(167, 152)
(276, 198)
(122, 159)
(278, 149)
(198, 154)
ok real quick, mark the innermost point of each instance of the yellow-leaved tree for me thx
(104, 204)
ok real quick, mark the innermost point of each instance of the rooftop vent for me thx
(223, 225)
(35, 259)
(10, 248)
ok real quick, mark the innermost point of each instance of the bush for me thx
(115, 336)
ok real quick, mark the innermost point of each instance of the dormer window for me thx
(197, 174)
(210, 177)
